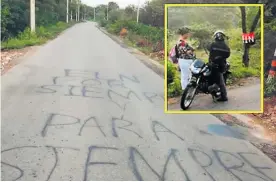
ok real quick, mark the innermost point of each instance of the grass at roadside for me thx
(147, 39)
(27, 38)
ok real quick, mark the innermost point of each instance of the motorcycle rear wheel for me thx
(188, 97)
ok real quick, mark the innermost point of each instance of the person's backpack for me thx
(173, 55)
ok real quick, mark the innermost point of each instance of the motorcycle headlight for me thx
(195, 70)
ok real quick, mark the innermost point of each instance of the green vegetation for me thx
(269, 45)
(270, 88)
(146, 38)
(50, 21)
(201, 22)
(174, 85)
(202, 26)
(152, 34)
(27, 38)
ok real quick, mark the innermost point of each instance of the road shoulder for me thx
(150, 63)
(256, 134)
(13, 57)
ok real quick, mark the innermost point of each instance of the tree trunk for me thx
(255, 21)
(245, 57)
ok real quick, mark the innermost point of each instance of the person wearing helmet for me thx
(219, 52)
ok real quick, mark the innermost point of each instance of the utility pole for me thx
(84, 12)
(71, 12)
(32, 15)
(67, 11)
(79, 10)
(94, 13)
(107, 13)
(76, 11)
(138, 11)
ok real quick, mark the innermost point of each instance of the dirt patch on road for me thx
(268, 118)
(10, 58)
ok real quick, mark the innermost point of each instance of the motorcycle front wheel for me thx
(188, 97)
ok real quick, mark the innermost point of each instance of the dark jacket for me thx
(219, 52)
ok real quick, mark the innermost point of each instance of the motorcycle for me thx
(200, 82)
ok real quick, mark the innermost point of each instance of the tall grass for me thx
(28, 38)
(152, 34)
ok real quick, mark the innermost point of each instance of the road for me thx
(245, 98)
(83, 108)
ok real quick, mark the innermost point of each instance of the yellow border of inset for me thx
(166, 61)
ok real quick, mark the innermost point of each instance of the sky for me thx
(121, 3)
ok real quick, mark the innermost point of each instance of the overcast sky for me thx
(121, 3)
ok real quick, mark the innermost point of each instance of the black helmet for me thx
(219, 35)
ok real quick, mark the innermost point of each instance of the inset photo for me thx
(214, 61)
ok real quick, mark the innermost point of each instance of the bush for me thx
(235, 39)
(115, 15)
(174, 89)
(173, 81)
(237, 68)
(270, 88)
(170, 72)
(23, 39)
(43, 32)
(28, 38)
(271, 25)
(103, 23)
(116, 27)
(152, 34)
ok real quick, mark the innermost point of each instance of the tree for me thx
(115, 15)
(113, 6)
(16, 17)
(152, 13)
(101, 11)
(5, 14)
(245, 58)
(130, 12)
(15, 14)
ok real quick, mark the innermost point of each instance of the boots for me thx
(222, 99)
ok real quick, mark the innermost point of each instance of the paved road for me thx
(246, 98)
(66, 115)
